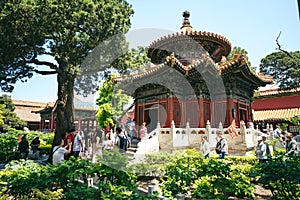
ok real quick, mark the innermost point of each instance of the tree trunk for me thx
(65, 108)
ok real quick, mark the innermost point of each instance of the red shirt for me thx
(69, 137)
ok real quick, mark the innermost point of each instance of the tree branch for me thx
(49, 64)
(124, 112)
(279, 47)
(32, 36)
(45, 72)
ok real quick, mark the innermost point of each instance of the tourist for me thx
(224, 146)
(204, 147)
(130, 126)
(269, 147)
(297, 138)
(277, 132)
(121, 140)
(261, 150)
(35, 143)
(143, 131)
(290, 145)
(23, 148)
(96, 143)
(69, 139)
(78, 145)
(107, 143)
(60, 151)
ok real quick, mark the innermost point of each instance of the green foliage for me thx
(240, 179)
(62, 180)
(66, 30)
(8, 146)
(284, 69)
(1, 114)
(294, 120)
(239, 50)
(8, 118)
(281, 176)
(9, 142)
(154, 164)
(240, 160)
(184, 171)
(135, 60)
(55, 37)
(110, 101)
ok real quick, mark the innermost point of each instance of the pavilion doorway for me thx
(151, 118)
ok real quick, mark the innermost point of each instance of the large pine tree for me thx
(67, 31)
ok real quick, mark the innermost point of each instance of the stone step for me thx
(130, 153)
(132, 149)
(133, 146)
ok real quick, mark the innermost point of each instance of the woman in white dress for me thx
(107, 144)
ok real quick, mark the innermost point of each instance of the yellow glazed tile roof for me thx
(275, 115)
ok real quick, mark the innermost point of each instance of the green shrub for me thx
(281, 176)
(46, 148)
(202, 189)
(9, 142)
(204, 178)
(28, 180)
(242, 159)
(8, 155)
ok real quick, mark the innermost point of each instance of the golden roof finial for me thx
(186, 25)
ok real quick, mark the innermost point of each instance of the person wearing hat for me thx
(261, 150)
(223, 144)
(290, 145)
(204, 146)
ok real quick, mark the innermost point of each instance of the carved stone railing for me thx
(175, 138)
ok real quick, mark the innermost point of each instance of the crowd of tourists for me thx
(264, 149)
(91, 144)
(291, 143)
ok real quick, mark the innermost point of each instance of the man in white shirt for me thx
(59, 152)
(78, 145)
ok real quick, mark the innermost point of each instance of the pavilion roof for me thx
(237, 64)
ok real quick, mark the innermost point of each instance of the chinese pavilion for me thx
(192, 81)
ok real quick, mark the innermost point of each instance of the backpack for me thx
(219, 147)
(123, 142)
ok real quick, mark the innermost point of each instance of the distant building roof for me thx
(24, 110)
(29, 111)
(275, 92)
(275, 104)
(275, 115)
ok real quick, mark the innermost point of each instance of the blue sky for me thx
(251, 24)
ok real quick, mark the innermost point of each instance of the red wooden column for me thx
(201, 114)
(230, 111)
(170, 111)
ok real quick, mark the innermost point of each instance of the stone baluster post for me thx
(221, 129)
(208, 131)
(268, 128)
(243, 131)
(173, 131)
(188, 132)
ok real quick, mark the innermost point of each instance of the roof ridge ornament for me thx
(186, 25)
